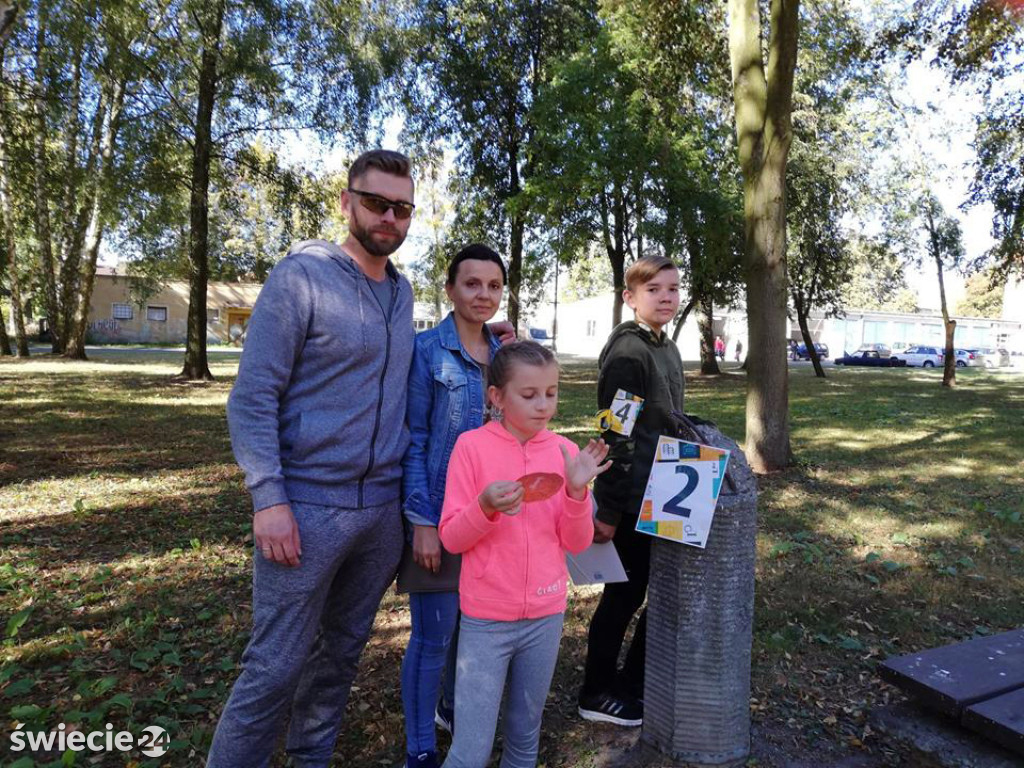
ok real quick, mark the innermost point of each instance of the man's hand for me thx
(276, 535)
(426, 547)
(501, 497)
(603, 532)
(504, 330)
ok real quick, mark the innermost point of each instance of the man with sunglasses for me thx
(317, 421)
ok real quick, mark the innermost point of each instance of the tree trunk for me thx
(5, 341)
(685, 313)
(805, 331)
(8, 15)
(42, 211)
(763, 102)
(949, 362)
(78, 217)
(618, 260)
(706, 325)
(196, 365)
(613, 234)
(7, 232)
(75, 346)
(17, 307)
(515, 269)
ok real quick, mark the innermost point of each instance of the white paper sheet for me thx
(597, 564)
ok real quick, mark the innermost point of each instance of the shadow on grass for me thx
(893, 534)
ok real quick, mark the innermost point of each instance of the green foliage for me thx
(833, 148)
(481, 66)
(633, 150)
(877, 280)
(983, 295)
(980, 43)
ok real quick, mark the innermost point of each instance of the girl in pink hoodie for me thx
(516, 499)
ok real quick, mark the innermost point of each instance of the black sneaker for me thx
(606, 708)
(444, 717)
(426, 759)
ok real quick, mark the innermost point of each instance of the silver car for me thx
(922, 356)
(994, 358)
(968, 358)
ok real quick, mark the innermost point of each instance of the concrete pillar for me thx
(699, 629)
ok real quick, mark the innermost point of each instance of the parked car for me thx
(994, 358)
(923, 356)
(881, 349)
(802, 354)
(968, 358)
(542, 337)
(870, 357)
(900, 346)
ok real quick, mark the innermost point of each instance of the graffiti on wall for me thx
(105, 326)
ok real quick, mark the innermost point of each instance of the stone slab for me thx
(1000, 719)
(953, 677)
(927, 740)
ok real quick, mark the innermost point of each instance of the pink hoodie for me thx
(513, 567)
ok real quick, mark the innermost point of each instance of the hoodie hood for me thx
(632, 328)
(498, 430)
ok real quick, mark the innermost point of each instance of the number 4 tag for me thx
(622, 416)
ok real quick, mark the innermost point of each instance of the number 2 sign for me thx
(682, 491)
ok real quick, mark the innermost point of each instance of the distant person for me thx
(719, 348)
(739, 350)
(317, 421)
(513, 539)
(640, 358)
(447, 396)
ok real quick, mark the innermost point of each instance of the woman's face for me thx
(476, 292)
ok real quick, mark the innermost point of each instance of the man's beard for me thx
(371, 246)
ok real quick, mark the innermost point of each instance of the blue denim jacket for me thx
(446, 398)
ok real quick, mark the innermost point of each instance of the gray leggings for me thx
(491, 652)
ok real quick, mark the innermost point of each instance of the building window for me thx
(123, 312)
(156, 314)
(212, 315)
(591, 327)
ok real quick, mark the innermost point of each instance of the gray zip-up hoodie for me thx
(318, 411)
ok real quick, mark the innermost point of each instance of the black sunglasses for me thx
(380, 205)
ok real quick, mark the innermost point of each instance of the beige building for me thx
(116, 316)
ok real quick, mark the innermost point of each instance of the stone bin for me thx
(699, 628)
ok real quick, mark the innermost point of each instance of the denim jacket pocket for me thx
(451, 405)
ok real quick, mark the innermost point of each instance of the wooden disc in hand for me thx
(538, 486)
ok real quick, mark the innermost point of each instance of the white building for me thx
(583, 327)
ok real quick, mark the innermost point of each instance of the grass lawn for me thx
(124, 554)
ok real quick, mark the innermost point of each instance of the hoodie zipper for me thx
(526, 544)
(383, 374)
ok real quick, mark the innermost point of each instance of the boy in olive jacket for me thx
(642, 360)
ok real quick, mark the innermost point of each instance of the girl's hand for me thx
(426, 547)
(501, 497)
(584, 467)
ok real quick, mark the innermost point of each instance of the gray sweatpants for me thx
(523, 652)
(309, 625)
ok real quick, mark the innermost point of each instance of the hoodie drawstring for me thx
(362, 317)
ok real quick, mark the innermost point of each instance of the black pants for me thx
(618, 605)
